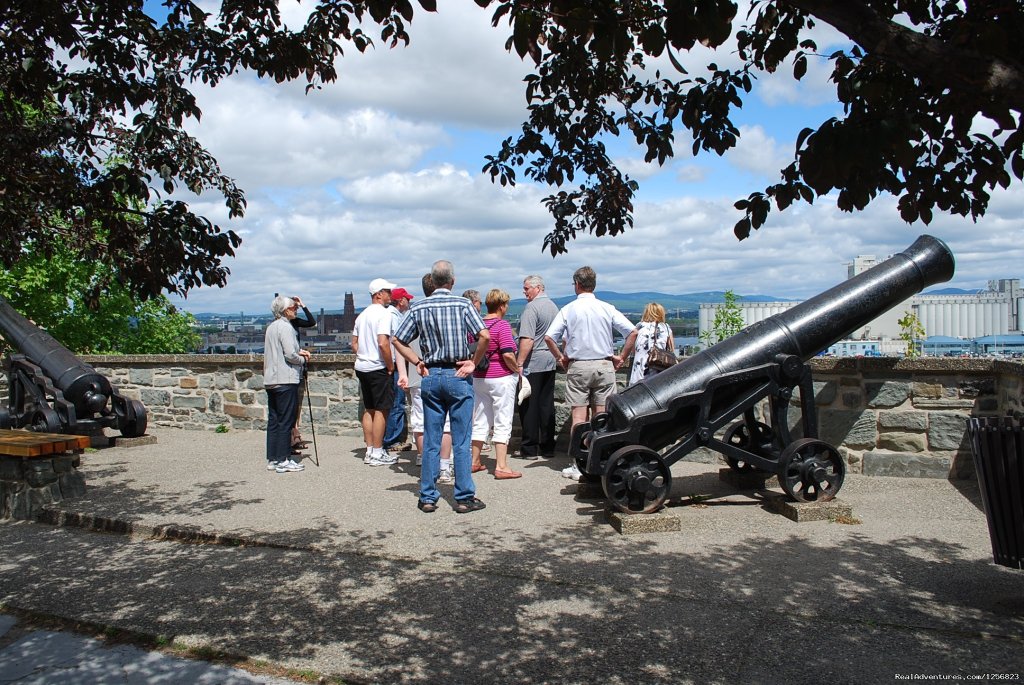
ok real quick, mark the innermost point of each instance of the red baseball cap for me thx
(399, 293)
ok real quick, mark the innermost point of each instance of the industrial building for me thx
(986, 322)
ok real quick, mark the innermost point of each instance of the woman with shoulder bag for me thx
(652, 334)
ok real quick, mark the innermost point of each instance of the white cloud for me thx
(756, 151)
(378, 175)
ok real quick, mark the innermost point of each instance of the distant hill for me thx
(687, 304)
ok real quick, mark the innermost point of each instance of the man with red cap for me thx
(400, 299)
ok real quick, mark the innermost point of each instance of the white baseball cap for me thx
(378, 284)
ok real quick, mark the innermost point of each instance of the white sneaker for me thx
(419, 460)
(289, 465)
(271, 466)
(572, 473)
(445, 477)
(368, 457)
(384, 459)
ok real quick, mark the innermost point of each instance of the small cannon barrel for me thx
(801, 331)
(81, 384)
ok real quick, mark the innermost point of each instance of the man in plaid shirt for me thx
(444, 323)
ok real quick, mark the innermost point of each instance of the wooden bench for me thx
(22, 443)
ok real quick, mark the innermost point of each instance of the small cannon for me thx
(53, 391)
(649, 426)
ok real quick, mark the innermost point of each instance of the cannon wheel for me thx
(811, 470)
(738, 435)
(136, 426)
(45, 420)
(636, 480)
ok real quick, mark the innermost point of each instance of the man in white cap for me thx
(371, 342)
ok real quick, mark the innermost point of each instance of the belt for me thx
(595, 359)
(443, 365)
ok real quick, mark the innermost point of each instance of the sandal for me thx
(427, 507)
(477, 468)
(467, 505)
(506, 474)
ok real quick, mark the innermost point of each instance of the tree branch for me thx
(930, 59)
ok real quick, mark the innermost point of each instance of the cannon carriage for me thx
(50, 390)
(649, 426)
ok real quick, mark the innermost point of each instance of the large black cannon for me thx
(53, 391)
(653, 424)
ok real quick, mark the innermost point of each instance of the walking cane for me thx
(312, 428)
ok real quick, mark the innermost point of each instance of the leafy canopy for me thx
(94, 95)
(918, 76)
(728, 320)
(54, 290)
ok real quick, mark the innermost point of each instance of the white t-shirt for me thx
(373, 321)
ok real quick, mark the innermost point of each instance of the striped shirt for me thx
(443, 323)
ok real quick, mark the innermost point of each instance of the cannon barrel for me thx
(802, 331)
(80, 383)
(45, 372)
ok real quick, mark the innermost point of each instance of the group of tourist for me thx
(465, 373)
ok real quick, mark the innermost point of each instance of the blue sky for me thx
(378, 175)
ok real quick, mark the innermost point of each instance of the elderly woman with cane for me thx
(282, 373)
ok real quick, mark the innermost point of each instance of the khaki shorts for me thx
(589, 382)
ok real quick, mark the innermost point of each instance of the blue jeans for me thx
(282, 403)
(444, 393)
(396, 418)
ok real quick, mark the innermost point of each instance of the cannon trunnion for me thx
(651, 425)
(52, 391)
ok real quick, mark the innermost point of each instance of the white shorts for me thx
(494, 402)
(416, 418)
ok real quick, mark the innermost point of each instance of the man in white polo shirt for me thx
(581, 339)
(371, 342)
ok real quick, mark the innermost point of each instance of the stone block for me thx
(852, 400)
(239, 411)
(976, 387)
(349, 388)
(256, 382)
(39, 473)
(11, 468)
(64, 463)
(631, 524)
(140, 376)
(188, 382)
(825, 392)
(851, 428)
(189, 402)
(242, 375)
(887, 393)
(898, 441)
(930, 391)
(137, 441)
(165, 382)
(903, 420)
(344, 411)
(809, 511)
(881, 463)
(155, 398)
(947, 431)
(944, 404)
(224, 381)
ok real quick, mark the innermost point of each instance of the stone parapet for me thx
(886, 415)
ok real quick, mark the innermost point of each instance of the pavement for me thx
(192, 548)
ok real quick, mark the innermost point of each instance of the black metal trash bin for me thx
(998, 446)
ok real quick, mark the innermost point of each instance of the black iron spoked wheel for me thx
(756, 441)
(45, 420)
(811, 470)
(636, 480)
(136, 425)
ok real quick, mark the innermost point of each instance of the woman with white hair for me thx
(282, 371)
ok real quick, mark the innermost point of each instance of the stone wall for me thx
(887, 416)
(908, 417)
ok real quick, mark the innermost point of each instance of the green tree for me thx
(916, 76)
(94, 97)
(728, 321)
(55, 291)
(911, 332)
